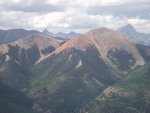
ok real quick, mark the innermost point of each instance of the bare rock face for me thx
(40, 40)
(104, 40)
(33, 47)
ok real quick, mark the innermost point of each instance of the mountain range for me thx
(61, 35)
(11, 35)
(100, 71)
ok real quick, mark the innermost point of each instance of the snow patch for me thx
(7, 58)
(70, 58)
(79, 64)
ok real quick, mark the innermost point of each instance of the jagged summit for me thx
(140, 38)
(61, 35)
(127, 28)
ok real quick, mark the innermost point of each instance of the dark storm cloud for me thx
(35, 6)
(38, 8)
(128, 10)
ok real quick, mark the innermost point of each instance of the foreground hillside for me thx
(131, 95)
(13, 101)
(64, 82)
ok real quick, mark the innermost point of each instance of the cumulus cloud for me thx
(78, 15)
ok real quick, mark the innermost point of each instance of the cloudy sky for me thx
(74, 15)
